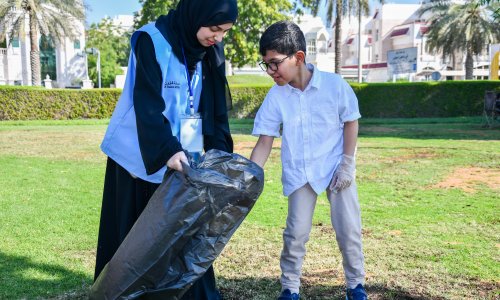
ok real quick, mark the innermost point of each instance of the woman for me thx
(176, 68)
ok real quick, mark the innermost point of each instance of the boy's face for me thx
(282, 68)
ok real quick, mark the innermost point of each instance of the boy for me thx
(319, 113)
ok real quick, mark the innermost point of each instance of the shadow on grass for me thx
(460, 128)
(23, 278)
(451, 131)
(268, 289)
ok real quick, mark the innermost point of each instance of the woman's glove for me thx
(344, 175)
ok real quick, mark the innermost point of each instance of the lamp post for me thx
(86, 82)
(360, 65)
(95, 51)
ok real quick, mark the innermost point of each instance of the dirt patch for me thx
(467, 179)
(241, 146)
(416, 155)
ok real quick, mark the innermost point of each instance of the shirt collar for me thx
(313, 83)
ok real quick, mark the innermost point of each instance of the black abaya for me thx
(125, 196)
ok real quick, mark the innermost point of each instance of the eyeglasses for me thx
(272, 65)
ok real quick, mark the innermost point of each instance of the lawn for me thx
(428, 191)
(250, 79)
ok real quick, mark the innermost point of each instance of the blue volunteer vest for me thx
(121, 142)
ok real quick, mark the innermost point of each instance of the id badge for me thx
(191, 133)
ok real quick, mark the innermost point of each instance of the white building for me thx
(317, 38)
(123, 23)
(63, 62)
(317, 51)
(393, 46)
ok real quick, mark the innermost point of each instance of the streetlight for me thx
(360, 65)
(95, 51)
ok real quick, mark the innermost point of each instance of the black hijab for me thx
(181, 26)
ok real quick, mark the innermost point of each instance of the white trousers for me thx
(346, 221)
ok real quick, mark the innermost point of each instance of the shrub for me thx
(423, 99)
(376, 100)
(27, 103)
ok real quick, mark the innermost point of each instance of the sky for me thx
(102, 8)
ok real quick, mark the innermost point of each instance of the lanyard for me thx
(191, 97)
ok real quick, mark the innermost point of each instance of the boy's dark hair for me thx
(284, 37)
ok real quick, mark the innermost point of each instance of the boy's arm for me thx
(261, 151)
(344, 175)
(350, 137)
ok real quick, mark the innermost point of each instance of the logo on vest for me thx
(172, 84)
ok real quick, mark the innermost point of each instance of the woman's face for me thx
(208, 36)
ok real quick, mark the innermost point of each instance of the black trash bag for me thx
(182, 230)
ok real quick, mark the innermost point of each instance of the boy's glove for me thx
(344, 175)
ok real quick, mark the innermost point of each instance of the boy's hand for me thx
(344, 175)
(175, 161)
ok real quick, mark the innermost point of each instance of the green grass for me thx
(238, 80)
(428, 192)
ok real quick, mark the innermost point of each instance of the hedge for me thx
(423, 99)
(27, 103)
(388, 100)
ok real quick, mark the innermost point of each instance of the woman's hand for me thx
(175, 161)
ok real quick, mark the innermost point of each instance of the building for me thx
(317, 37)
(63, 62)
(123, 23)
(393, 47)
(317, 41)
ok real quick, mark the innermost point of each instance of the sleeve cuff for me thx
(258, 132)
(351, 117)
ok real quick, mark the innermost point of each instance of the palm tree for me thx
(340, 8)
(466, 28)
(52, 18)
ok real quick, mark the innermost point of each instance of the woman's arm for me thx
(156, 141)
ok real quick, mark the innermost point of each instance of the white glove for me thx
(344, 175)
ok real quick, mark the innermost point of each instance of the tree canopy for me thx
(52, 18)
(114, 48)
(461, 27)
(242, 41)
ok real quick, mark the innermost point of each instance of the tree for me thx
(339, 9)
(114, 48)
(314, 6)
(466, 28)
(52, 18)
(242, 42)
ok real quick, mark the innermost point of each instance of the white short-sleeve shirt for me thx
(313, 122)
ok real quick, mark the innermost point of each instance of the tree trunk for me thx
(338, 38)
(469, 65)
(35, 52)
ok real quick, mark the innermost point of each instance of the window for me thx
(311, 47)
(376, 35)
(76, 44)
(47, 57)
(15, 43)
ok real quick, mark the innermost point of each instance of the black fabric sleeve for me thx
(221, 139)
(156, 141)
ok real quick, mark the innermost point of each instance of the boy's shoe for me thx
(357, 293)
(287, 295)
